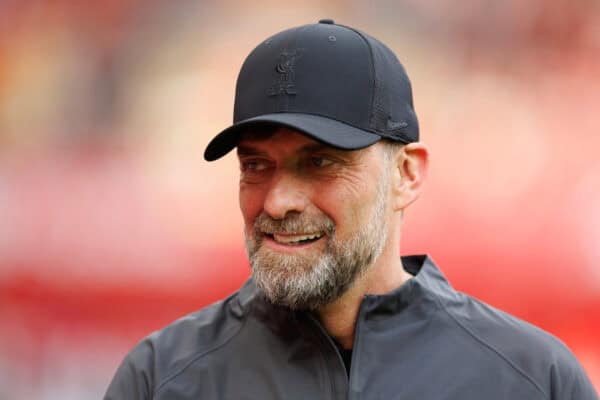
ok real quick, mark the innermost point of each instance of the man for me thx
(327, 140)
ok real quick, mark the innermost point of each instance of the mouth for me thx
(294, 239)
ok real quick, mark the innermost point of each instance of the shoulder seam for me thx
(195, 358)
(492, 348)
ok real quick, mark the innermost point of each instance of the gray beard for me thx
(309, 282)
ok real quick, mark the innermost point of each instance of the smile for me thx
(294, 238)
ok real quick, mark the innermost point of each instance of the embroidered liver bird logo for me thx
(285, 67)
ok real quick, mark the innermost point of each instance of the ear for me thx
(411, 164)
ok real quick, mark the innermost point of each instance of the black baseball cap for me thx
(331, 82)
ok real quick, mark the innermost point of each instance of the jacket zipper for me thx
(327, 338)
(355, 361)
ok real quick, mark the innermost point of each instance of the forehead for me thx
(279, 139)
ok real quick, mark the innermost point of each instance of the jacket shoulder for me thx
(532, 353)
(164, 354)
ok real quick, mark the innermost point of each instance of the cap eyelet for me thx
(332, 38)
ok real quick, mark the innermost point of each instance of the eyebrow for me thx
(244, 150)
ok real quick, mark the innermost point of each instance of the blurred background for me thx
(112, 225)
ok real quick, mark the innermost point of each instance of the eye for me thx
(320, 161)
(253, 165)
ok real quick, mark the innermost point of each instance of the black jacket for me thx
(422, 341)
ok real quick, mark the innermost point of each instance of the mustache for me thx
(294, 223)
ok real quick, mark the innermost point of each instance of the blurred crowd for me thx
(111, 224)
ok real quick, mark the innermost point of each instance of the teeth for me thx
(287, 239)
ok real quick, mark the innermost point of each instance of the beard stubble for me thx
(311, 281)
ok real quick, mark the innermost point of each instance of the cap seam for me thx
(373, 78)
(374, 132)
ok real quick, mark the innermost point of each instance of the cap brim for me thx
(326, 130)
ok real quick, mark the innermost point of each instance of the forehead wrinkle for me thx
(264, 146)
(312, 147)
(250, 150)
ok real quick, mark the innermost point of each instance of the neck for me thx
(339, 317)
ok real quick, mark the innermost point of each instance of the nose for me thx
(286, 194)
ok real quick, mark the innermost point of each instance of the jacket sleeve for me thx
(134, 379)
(570, 382)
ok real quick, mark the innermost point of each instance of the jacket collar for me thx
(428, 285)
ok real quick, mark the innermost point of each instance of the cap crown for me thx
(331, 71)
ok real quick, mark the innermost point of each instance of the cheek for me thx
(346, 204)
(251, 202)
(337, 203)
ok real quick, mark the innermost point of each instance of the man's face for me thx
(315, 217)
